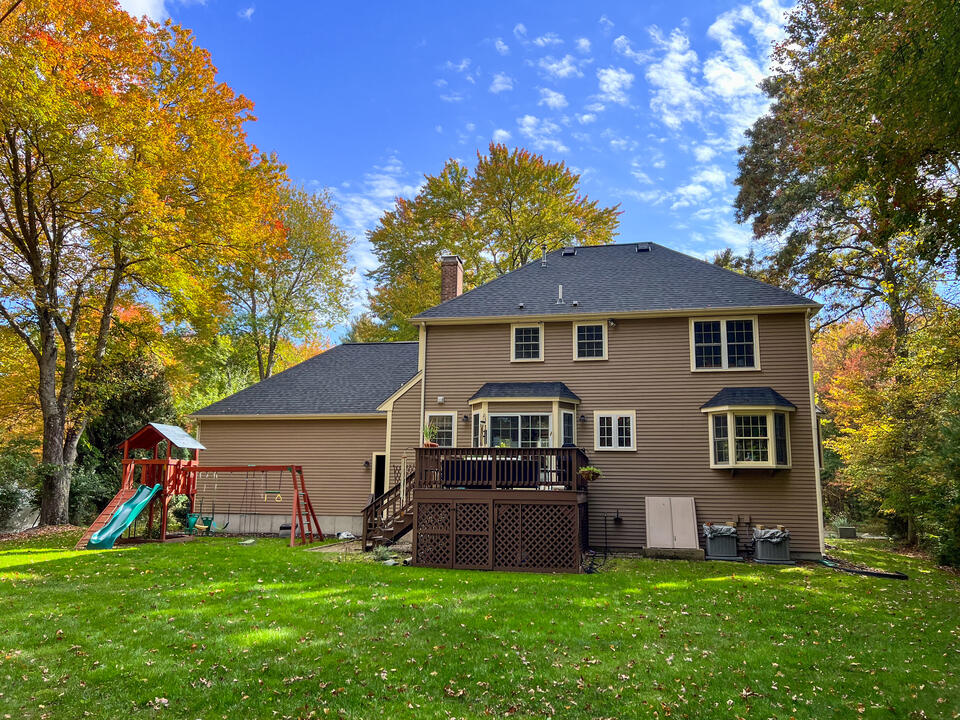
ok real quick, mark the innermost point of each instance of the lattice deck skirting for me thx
(524, 530)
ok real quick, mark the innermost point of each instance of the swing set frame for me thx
(303, 519)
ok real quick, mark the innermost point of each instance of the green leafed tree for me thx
(497, 218)
(294, 284)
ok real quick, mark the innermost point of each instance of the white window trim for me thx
(453, 424)
(615, 414)
(723, 344)
(573, 415)
(493, 413)
(603, 327)
(730, 411)
(513, 342)
(477, 417)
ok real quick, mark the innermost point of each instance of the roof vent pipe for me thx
(543, 255)
(560, 295)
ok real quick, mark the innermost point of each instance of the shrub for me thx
(949, 551)
(19, 480)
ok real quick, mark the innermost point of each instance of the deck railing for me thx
(500, 468)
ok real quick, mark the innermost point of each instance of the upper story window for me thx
(724, 344)
(613, 430)
(526, 343)
(445, 424)
(590, 341)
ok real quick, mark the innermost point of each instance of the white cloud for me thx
(622, 45)
(246, 13)
(586, 118)
(710, 175)
(614, 83)
(541, 133)
(639, 174)
(583, 45)
(547, 39)
(704, 153)
(617, 142)
(501, 46)
(520, 30)
(459, 67)
(563, 68)
(677, 99)
(360, 209)
(501, 83)
(153, 9)
(690, 194)
(606, 24)
(501, 136)
(552, 99)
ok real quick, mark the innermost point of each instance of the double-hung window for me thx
(445, 424)
(614, 430)
(526, 343)
(724, 344)
(589, 341)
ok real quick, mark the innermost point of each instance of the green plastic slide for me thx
(125, 514)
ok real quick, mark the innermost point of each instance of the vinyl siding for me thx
(331, 452)
(405, 428)
(648, 371)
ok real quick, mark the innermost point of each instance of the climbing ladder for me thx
(104, 517)
(302, 515)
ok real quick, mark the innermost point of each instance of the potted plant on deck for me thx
(589, 473)
(429, 436)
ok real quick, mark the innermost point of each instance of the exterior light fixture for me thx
(366, 464)
(583, 418)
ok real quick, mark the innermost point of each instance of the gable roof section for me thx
(508, 390)
(353, 378)
(615, 279)
(748, 397)
(152, 433)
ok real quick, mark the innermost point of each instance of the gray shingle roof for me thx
(614, 278)
(748, 396)
(349, 378)
(524, 390)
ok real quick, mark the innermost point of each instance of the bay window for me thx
(749, 437)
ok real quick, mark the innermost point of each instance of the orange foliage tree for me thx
(124, 172)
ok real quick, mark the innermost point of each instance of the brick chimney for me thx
(451, 277)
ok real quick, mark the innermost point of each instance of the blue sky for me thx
(647, 100)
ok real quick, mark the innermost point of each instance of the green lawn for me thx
(212, 629)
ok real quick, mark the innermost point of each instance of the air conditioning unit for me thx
(772, 546)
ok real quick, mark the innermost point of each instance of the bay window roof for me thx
(748, 397)
(509, 390)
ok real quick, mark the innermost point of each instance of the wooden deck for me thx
(488, 508)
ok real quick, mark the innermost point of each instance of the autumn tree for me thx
(868, 89)
(496, 218)
(124, 169)
(294, 283)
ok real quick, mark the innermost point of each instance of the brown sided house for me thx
(676, 378)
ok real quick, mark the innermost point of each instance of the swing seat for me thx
(192, 523)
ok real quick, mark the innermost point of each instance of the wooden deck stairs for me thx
(389, 517)
(104, 517)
